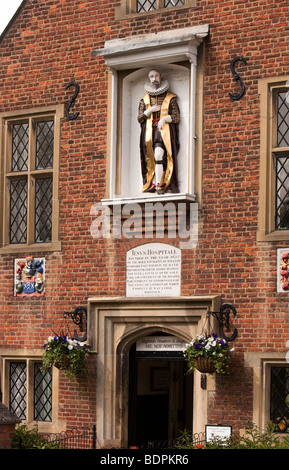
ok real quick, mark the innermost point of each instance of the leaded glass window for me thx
(30, 387)
(18, 389)
(279, 403)
(283, 120)
(31, 180)
(42, 394)
(173, 3)
(282, 162)
(18, 211)
(282, 192)
(20, 143)
(29, 205)
(44, 144)
(148, 5)
(43, 210)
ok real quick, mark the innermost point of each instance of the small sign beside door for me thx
(218, 432)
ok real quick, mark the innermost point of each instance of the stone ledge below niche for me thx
(177, 197)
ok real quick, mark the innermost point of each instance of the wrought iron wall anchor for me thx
(237, 77)
(79, 318)
(204, 381)
(223, 317)
(71, 101)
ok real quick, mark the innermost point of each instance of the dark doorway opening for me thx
(160, 396)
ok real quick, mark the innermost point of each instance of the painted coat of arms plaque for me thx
(29, 274)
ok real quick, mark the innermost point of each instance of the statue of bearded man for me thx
(159, 118)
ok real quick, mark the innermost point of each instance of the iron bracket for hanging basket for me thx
(223, 317)
(79, 318)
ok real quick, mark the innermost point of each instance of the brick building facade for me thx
(61, 165)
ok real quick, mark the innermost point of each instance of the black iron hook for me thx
(237, 77)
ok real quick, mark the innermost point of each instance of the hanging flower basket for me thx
(66, 354)
(64, 364)
(208, 354)
(205, 365)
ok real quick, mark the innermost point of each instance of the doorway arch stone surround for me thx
(114, 324)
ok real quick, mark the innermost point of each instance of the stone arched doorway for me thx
(160, 391)
(114, 326)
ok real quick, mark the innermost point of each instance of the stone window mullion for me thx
(31, 183)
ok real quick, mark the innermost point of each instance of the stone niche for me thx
(175, 53)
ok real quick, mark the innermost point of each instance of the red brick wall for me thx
(6, 435)
(49, 45)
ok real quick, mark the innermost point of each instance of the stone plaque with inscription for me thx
(153, 270)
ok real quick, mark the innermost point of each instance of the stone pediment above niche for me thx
(174, 54)
(146, 49)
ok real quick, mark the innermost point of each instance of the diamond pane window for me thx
(18, 389)
(29, 182)
(279, 403)
(30, 391)
(146, 5)
(283, 120)
(173, 3)
(43, 210)
(273, 218)
(282, 192)
(44, 144)
(20, 143)
(42, 394)
(18, 211)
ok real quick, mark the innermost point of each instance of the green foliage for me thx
(67, 354)
(211, 346)
(252, 439)
(185, 440)
(25, 438)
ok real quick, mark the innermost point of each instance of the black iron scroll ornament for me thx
(223, 317)
(71, 100)
(79, 318)
(237, 78)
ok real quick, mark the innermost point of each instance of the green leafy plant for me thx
(25, 438)
(67, 354)
(186, 441)
(211, 347)
(253, 438)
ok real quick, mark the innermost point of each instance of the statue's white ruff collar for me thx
(164, 86)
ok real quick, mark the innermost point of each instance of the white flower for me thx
(70, 347)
